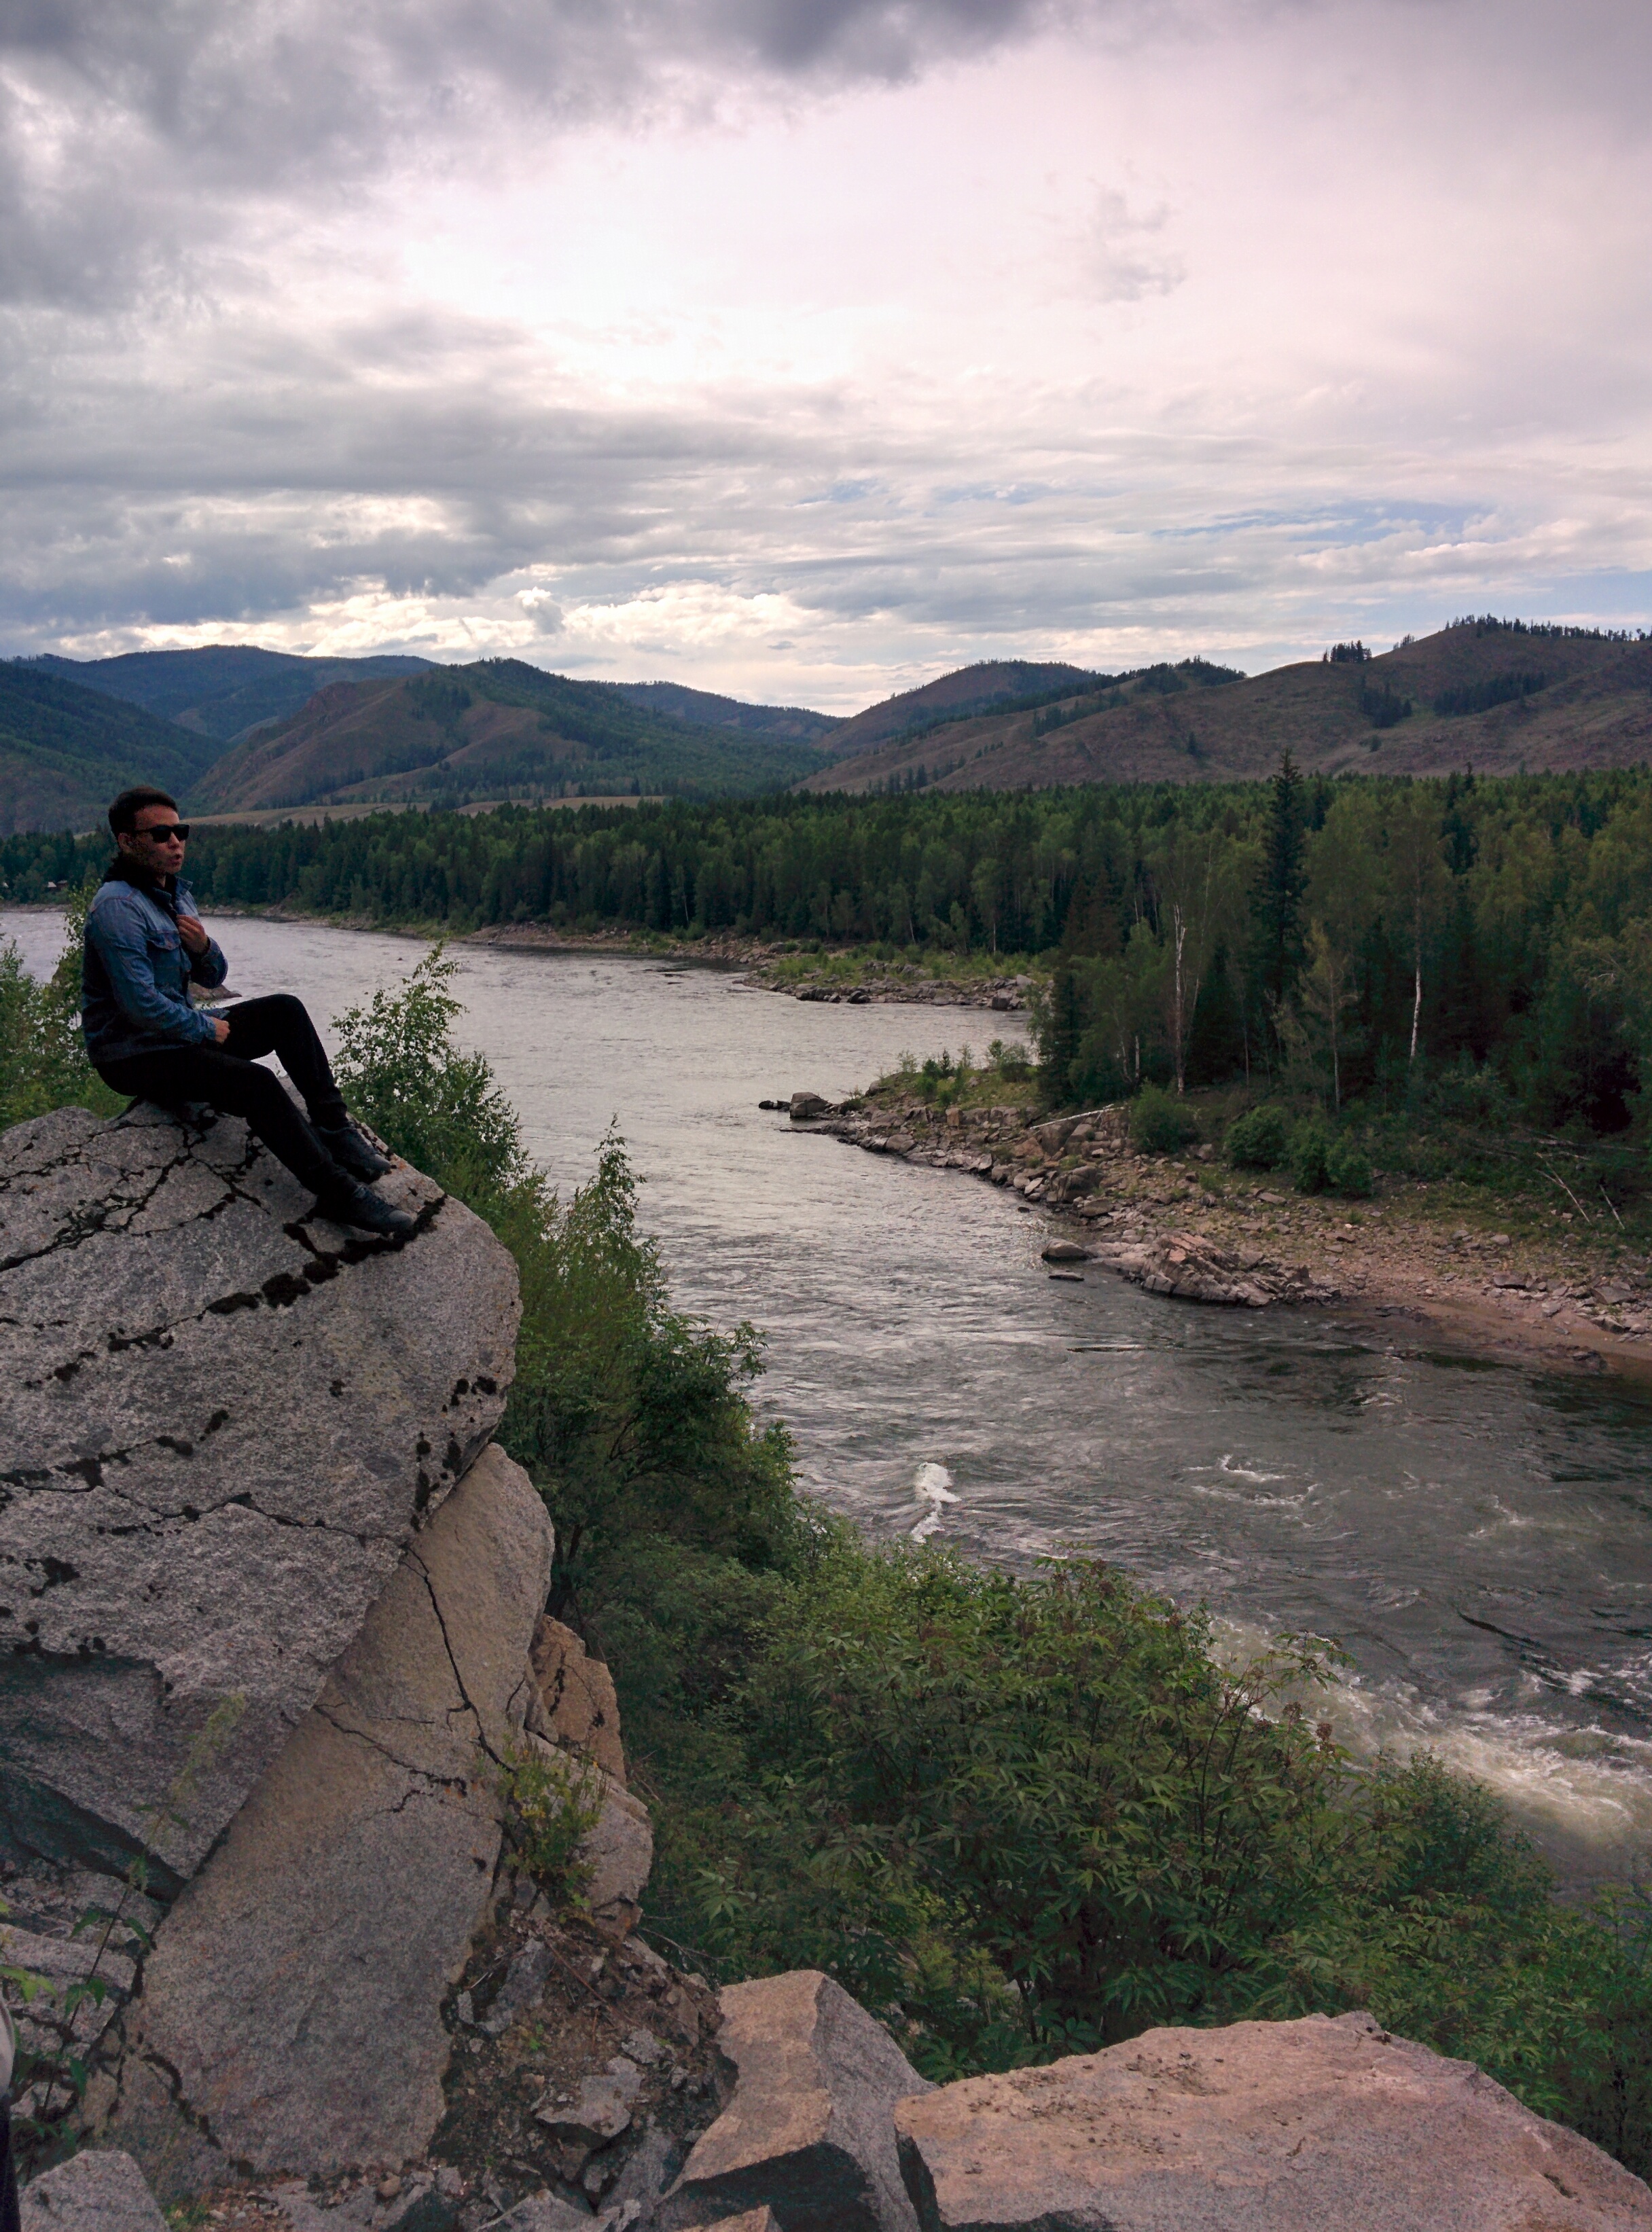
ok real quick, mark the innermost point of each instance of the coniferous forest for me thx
(1352, 938)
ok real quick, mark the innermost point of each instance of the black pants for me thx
(229, 1079)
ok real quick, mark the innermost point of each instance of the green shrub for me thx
(42, 1059)
(1348, 1171)
(1160, 1124)
(1256, 1140)
(550, 1802)
(1311, 1145)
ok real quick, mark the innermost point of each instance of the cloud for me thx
(1124, 257)
(800, 346)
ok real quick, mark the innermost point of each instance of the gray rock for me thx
(1066, 1251)
(531, 1968)
(600, 2110)
(619, 1852)
(650, 2167)
(1307, 2126)
(99, 2192)
(543, 2212)
(224, 1419)
(806, 1106)
(753, 2220)
(1194, 1270)
(292, 2006)
(808, 2131)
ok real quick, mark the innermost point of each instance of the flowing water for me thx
(1479, 1538)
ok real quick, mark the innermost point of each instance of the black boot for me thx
(352, 1152)
(346, 1202)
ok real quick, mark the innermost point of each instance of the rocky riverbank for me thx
(1185, 1226)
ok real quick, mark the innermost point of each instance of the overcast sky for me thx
(807, 348)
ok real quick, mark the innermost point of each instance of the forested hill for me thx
(223, 690)
(499, 728)
(66, 751)
(1496, 695)
(703, 709)
(1493, 936)
(997, 686)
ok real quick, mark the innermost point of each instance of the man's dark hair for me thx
(123, 814)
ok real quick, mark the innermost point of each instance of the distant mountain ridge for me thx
(703, 708)
(221, 690)
(497, 728)
(1495, 694)
(955, 696)
(65, 751)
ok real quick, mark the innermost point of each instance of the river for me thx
(1478, 1537)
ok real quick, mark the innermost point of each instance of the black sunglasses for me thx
(178, 829)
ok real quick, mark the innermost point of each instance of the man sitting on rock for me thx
(145, 947)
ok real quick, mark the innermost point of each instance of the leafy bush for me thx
(1468, 1094)
(1311, 1144)
(1159, 1123)
(1012, 1063)
(1256, 1140)
(399, 1070)
(550, 1803)
(42, 1059)
(1348, 1171)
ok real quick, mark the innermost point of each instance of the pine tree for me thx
(1277, 940)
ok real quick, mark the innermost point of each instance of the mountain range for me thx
(236, 729)
(1497, 694)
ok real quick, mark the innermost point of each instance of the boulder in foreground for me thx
(1318, 2126)
(809, 2131)
(226, 1417)
(291, 2008)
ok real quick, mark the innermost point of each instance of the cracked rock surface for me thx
(226, 1417)
(291, 2015)
(1255, 2127)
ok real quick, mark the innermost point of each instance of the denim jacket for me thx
(136, 972)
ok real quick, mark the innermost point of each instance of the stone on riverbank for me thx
(1192, 1269)
(1317, 2125)
(292, 2006)
(227, 1416)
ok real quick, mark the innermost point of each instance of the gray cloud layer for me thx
(188, 439)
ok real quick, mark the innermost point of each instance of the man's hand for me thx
(222, 1030)
(192, 930)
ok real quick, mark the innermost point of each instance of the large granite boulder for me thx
(1320, 2126)
(291, 2014)
(809, 2132)
(226, 1417)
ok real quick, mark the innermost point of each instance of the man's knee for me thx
(261, 1093)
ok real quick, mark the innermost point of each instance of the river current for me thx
(1477, 1537)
